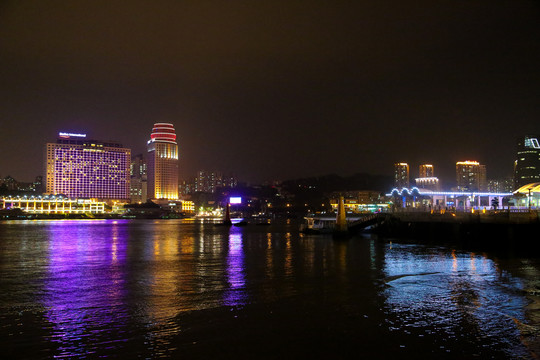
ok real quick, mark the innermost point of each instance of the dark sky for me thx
(274, 89)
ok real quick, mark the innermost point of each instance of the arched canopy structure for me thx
(534, 189)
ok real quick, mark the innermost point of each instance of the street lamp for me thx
(529, 200)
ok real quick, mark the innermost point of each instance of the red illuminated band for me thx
(163, 132)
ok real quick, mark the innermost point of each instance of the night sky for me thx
(274, 89)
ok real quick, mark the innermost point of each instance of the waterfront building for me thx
(177, 206)
(401, 175)
(528, 196)
(162, 162)
(138, 171)
(470, 176)
(52, 205)
(360, 201)
(419, 199)
(80, 168)
(527, 164)
(431, 183)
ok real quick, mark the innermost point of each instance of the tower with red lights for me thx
(162, 162)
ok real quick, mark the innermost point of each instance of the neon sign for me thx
(66, 135)
(235, 200)
(532, 143)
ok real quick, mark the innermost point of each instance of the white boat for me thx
(322, 224)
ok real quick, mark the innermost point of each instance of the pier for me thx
(511, 229)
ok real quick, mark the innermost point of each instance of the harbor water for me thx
(145, 289)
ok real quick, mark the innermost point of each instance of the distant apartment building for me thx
(162, 162)
(500, 185)
(427, 179)
(81, 168)
(9, 184)
(425, 171)
(401, 175)
(138, 172)
(527, 163)
(186, 187)
(210, 181)
(470, 176)
(207, 181)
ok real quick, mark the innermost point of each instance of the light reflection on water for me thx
(235, 293)
(451, 292)
(84, 287)
(130, 288)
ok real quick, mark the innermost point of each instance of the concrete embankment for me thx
(515, 231)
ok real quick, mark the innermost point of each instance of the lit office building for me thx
(81, 168)
(162, 162)
(401, 175)
(470, 176)
(527, 164)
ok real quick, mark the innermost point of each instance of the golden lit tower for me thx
(427, 180)
(470, 176)
(163, 162)
(426, 170)
(401, 175)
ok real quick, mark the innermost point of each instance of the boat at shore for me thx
(323, 224)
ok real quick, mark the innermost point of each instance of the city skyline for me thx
(275, 91)
(422, 169)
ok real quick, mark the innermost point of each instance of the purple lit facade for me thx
(88, 169)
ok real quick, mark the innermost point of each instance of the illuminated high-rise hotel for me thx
(162, 162)
(81, 168)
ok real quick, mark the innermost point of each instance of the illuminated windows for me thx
(88, 169)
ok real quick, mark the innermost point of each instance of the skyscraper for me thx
(471, 176)
(81, 168)
(162, 162)
(527, 164)
(401, 175)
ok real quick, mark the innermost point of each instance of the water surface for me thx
(186, 289)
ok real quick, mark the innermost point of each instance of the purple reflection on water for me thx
(235, 294)
(84, 292)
